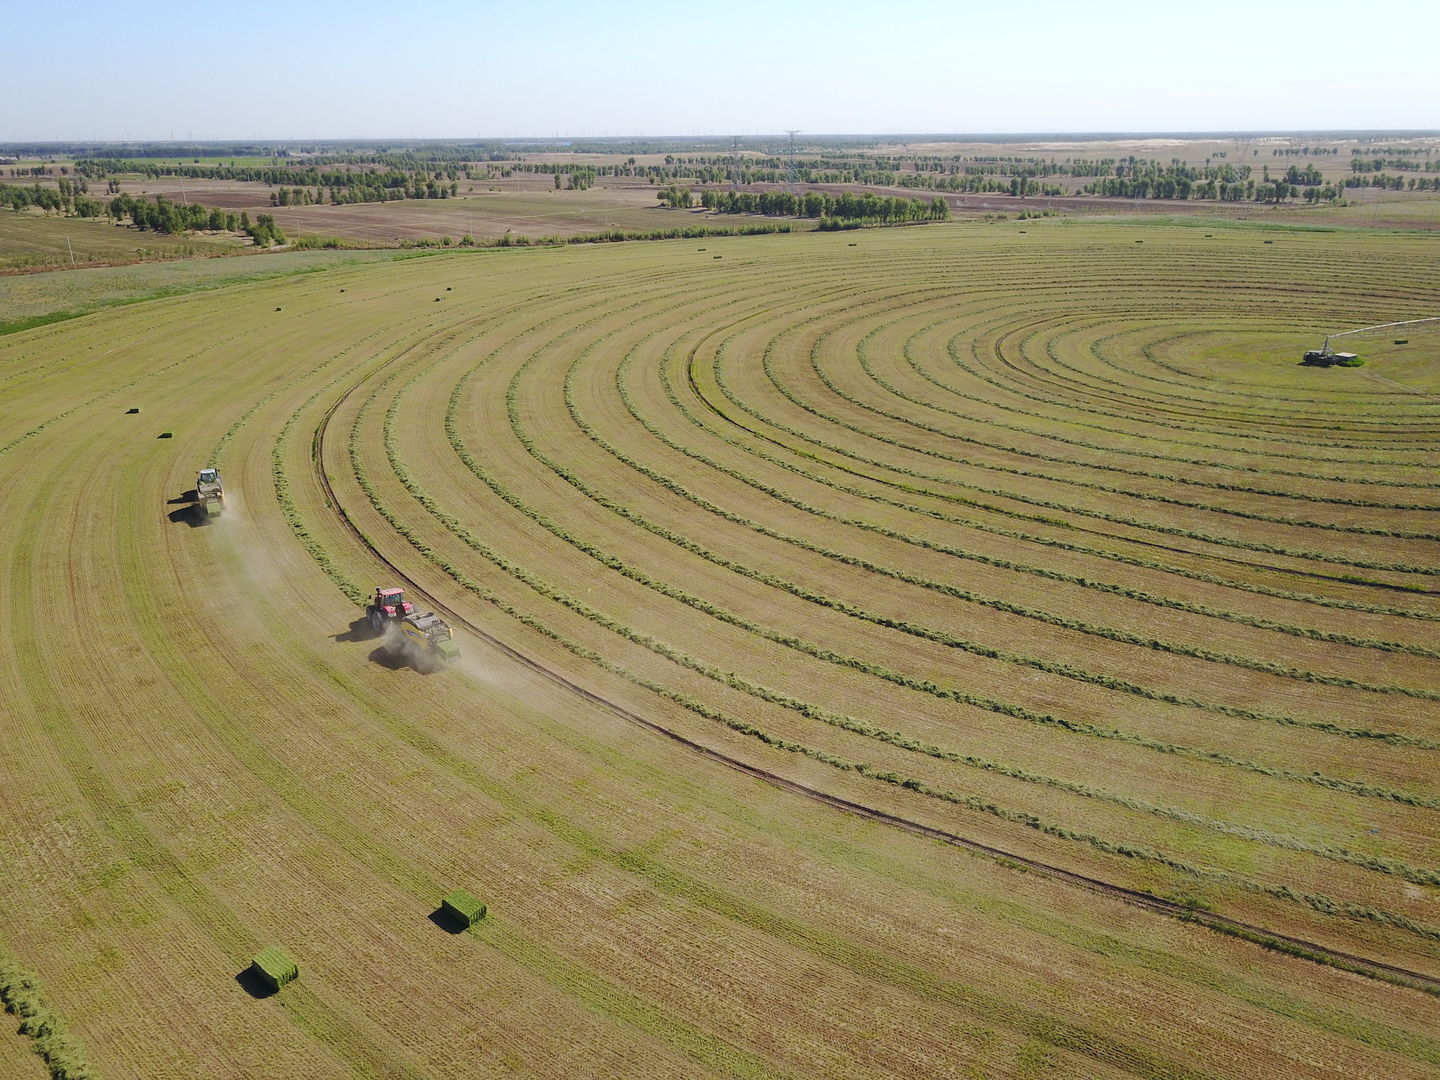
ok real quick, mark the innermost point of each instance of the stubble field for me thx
(872, 643)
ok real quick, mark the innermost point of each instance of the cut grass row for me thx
(1318, 902)
(979, 367)
(1051, 435)
(970, 418)
(460, 577)
(23, 998)
(756, 416)
(849, 609)
(392, 439)
(951, 436)
(1415, 874)
(1169, 569)
(1111, 588)
(573, 971)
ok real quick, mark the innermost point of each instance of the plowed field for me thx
(956, 651)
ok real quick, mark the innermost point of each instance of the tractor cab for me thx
(209, 476)
(388, 606)
(392, 602)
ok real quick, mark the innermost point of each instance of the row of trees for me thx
(66, 197)
(164, 216)
(411, 179)
(167, 217)
(1395, 151)
(1395, 183)
(363, 193)
(1171, 187)
(816, 204)
(1366, 165)
(980, 185)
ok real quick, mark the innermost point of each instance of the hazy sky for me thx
(144, 70)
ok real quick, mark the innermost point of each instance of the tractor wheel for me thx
(377, 621)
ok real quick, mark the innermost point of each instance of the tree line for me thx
(1394, 183)
(889, 209)
(283, 176)
(1367, 165)
(165, 216)
(161, 215)
(67, 197)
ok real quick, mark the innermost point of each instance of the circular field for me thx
(871, 643)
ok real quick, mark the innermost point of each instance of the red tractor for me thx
(388, 604)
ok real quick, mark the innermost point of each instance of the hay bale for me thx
(165, 435)
(273, 966)
(463, 907)
(130, 412)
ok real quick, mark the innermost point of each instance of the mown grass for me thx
(1319, 902)
(31, 300)
(50, 1036)
(517, 448)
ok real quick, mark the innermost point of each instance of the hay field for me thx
(872, 643)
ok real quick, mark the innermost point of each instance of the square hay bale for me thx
(274, 967)
(463, 907)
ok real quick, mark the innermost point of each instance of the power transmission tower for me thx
(791, 172)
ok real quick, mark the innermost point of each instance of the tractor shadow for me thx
(184, 497)
(188, 515)
(359, 630)
(251, 982)
(446, 921)
(390, 661)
